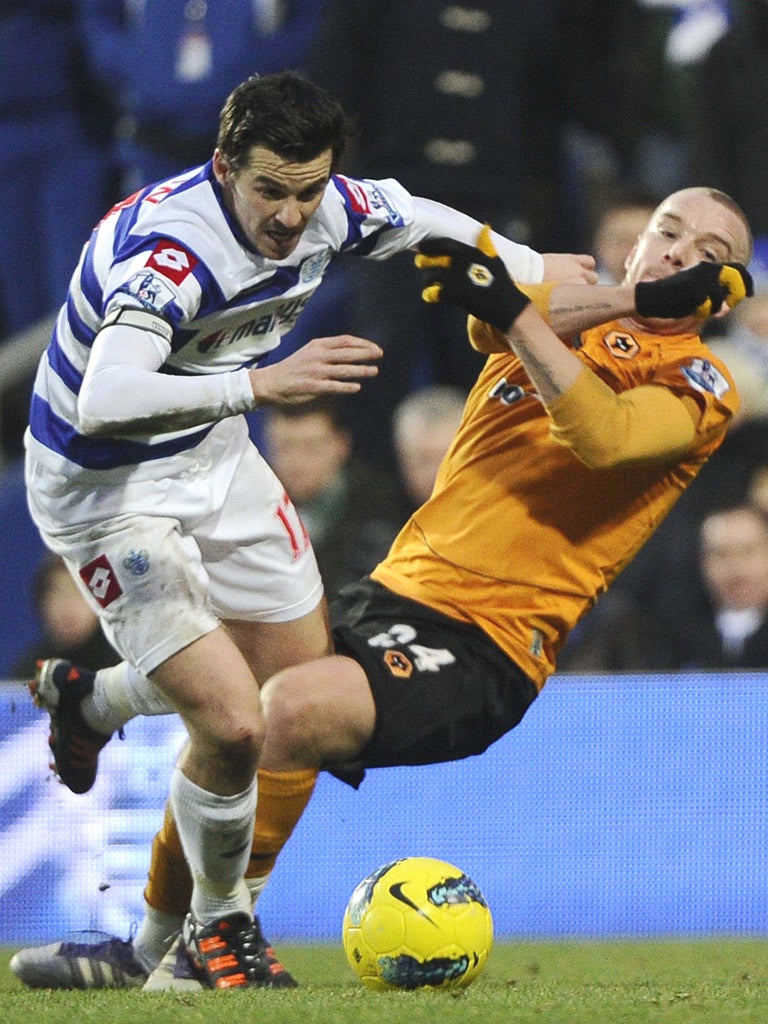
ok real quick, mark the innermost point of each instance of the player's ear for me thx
(631, 255)
(221, 167)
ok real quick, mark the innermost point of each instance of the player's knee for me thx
(292, 711)
(230, 742)
(239, 756)
(310, 721)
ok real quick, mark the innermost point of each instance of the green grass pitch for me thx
(713, 981)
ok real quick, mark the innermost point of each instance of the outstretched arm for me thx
(475, 278)
(567, 308)
(647, 423)
(692, 295)
(439, 221)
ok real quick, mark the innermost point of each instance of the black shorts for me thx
(442, 689)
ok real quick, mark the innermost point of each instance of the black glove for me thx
(474, 278)
(699, 291)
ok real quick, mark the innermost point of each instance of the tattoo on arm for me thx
(542, 377)
(569, 309)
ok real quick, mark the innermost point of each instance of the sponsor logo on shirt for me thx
(283, 318)
(99, 577)
(172, 261)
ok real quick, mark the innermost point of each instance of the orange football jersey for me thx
(519, 536)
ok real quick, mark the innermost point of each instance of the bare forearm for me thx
(551, 366)
(575, 308)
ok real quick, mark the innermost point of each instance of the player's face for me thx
(273, 199)
(688, 227)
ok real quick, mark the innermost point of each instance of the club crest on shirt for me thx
(621, 344)
(703, 376)
(137, 562)
(314, 266)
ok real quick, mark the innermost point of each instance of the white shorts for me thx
(164, 561)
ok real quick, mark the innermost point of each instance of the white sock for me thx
(158, 929)
(256, 887)
(155, 936)
(119, 694)
(216, 834)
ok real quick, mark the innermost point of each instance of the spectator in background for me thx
(21, 551)
(70, 628)
(423, 428)
(456, 102)
(351, 511)
(624, 111)
(728, 627)
(56, 176)
(172, 61)
(620, 223)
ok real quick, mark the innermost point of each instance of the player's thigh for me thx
(269, 647)
(211, 685)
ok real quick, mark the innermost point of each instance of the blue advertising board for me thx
(622, 806)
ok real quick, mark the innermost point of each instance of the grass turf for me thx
(681, 982)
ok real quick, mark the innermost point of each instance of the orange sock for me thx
(169, 886)
(282, 799)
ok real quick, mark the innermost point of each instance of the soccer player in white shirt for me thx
(142, 476)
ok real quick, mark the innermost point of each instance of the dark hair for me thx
(285, 113)
(330, 406)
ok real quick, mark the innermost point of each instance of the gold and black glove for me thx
(474, 278)
(699, 291)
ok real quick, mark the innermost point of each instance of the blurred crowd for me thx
(561, 123)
